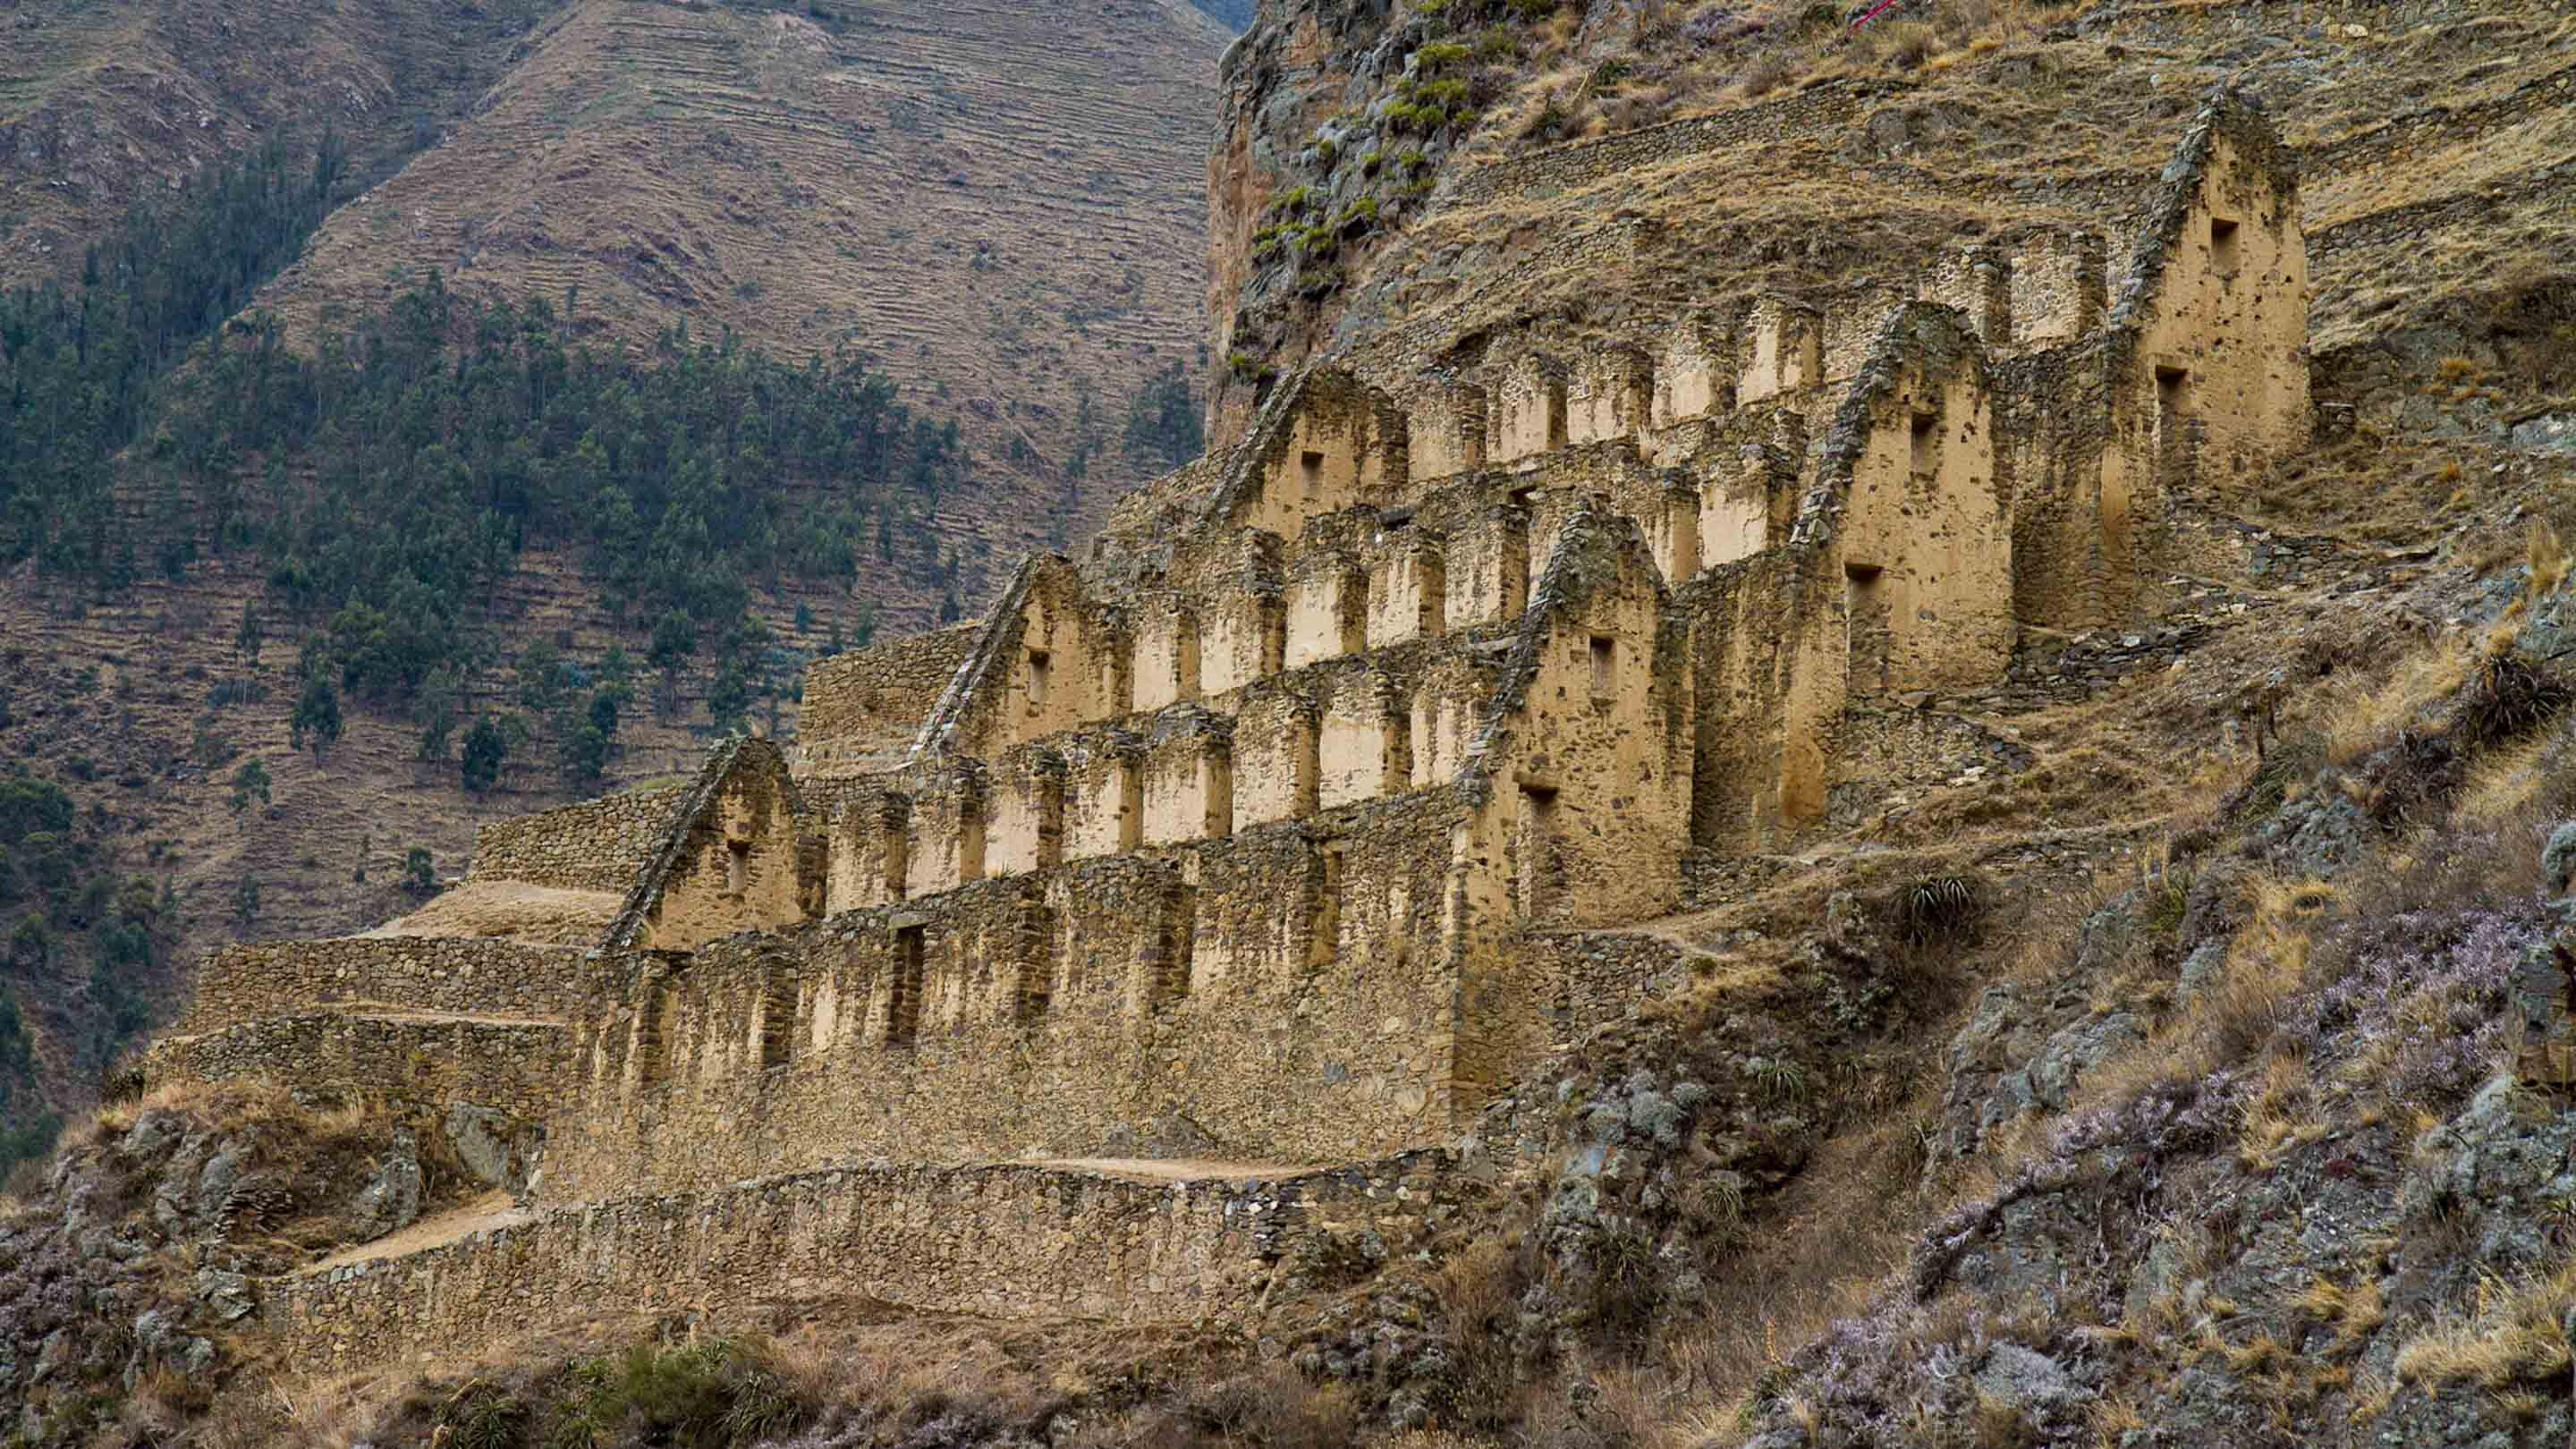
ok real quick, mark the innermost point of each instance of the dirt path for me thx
(493, 1209)
(1180, 1169)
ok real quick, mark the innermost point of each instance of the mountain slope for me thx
(102, 105)
(998, 200)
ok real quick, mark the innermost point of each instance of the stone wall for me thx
(409, 973)
(520, 1068)
(993, 1241)
(1285, 993)
(860, 709)
(597, 845)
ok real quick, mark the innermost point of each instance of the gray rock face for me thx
(2547, 433)
(2558, 859)
(2026, 1379)
(226, 1295)
(498, 1149)
(391, 1201)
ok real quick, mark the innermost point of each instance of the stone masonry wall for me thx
(999, 1241)
(1280, 995)
(597, 845)
(860, 709)
(520, 1068)
(411, 973)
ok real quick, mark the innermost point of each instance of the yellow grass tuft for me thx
(2516, 1333)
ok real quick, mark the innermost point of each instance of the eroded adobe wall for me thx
(2218, 298)
(1336, 444)
(1594, 753)
(598, 845)
(1769, 648)
(520, 1068)
(2205, 359)
(1925, 538)
(860, 710)
(409, 973)
(1282, 994)
(738, 867)
(994, 1241)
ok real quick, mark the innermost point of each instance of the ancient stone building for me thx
(1255, 835)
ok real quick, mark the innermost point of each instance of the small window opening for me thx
(2173, 396)
(653, 1036)
(1926, 436)
(1173, 944)
(903, 993)
(1605, 666)
(737, 866)
(778, 1017)
(1556, 432)
(1327, 938)
(1538, 848)
(1038, 662)
(1311, 469)
(2222, 246)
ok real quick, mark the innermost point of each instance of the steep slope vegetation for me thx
(997, 201)
(106, 105)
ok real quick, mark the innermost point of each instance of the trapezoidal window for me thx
(777, 1016)
(903, 992)
(1039, 660)
(737, 866)
(2223, 249)
(1325, 938)
(1168, 973)
(1310, 474)
(1924, 441)
(653, 1031)
(2173, 408)
(1538, 866)
(1604, 652)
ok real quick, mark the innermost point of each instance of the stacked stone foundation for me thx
(995, 1241)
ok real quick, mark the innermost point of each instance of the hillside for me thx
(1000, 202)
(106, 105)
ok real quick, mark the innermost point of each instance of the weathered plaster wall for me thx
(738, 865)
(1925, 539)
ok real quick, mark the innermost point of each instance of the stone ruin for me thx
(1256, 836)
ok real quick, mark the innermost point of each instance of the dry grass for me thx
(2516, 1333)
(2281, 1114)
(2359, 717)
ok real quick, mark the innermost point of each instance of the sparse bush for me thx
(1943, 909)
(482, 1416)
(2506, 699)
